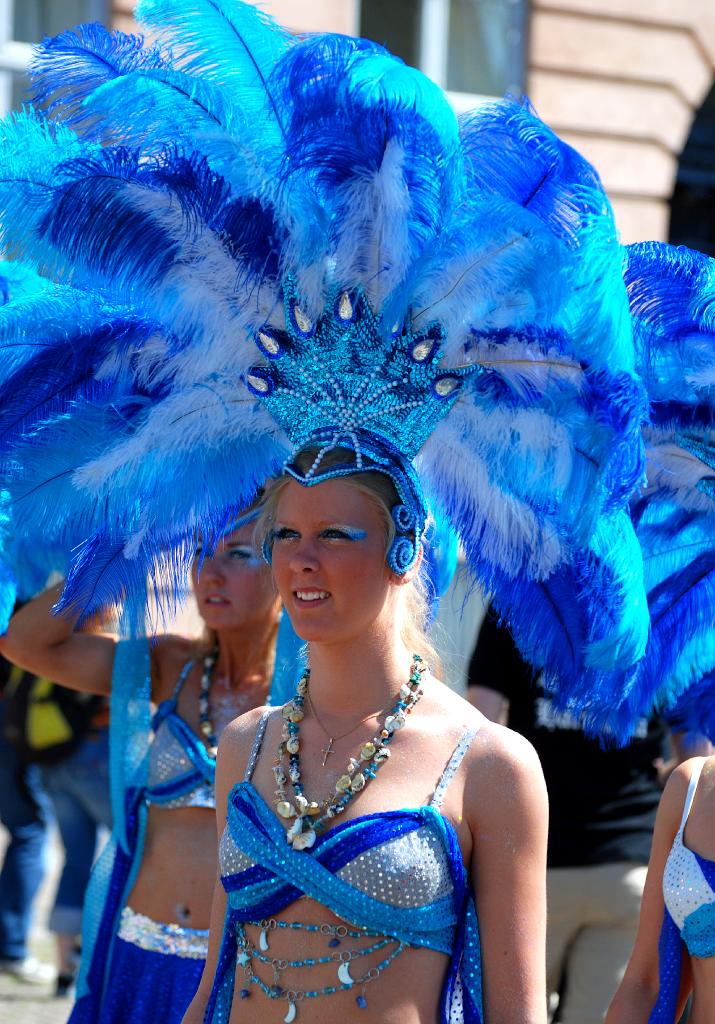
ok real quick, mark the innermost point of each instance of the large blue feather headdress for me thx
(672, 296)
(254, 244)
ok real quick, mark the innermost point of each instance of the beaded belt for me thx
(156, 937)
(342, 961)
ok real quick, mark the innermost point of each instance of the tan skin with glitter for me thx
(496, 802)
(237, 599)
(638, 992)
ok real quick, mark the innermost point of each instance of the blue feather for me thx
(510, 152)
(556, 621)
(31, 151)
(234, 45)
(694, 711)
(672, 299)
(55, 378)
(160, 107)
(96, 223)
(683, 627)
(45, 319)
(68, 67)
(333, 87)
(99, 577)
(8, 595)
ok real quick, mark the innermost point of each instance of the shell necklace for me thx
(311, 817)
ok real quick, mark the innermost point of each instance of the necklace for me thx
(311, 817)
(205, 723)
(329, 749)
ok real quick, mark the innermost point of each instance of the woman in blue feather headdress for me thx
(145, 928)
(257, 252)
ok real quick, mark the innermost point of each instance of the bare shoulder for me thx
(676, 788)
(504, 780)
(500, 764)
(169, 654)
(708, 772)
(237, 738)
(502, 756)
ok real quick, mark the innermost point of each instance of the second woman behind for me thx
(149, 899)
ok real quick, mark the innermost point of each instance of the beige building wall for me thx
(622, 81)
(297, 15)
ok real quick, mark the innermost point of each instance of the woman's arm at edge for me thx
(638, 991)
(47, 645)
(507, 809)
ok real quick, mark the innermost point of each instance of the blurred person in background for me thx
(147, 910)
(78, 786)
(603, 805)
(65, 734)
(24, 812)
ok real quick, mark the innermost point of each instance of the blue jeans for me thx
(79, 789)
(24, 811)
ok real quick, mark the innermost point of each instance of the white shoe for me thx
(30, 970)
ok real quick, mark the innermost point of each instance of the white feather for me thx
(373, 245)
(674, 469)
(513, 537)
(526, 367)
(512, 278)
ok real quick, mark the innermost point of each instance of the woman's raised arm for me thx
(47, 645)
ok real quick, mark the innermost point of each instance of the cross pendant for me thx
(328, 750)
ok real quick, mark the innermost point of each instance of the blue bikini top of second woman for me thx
(181, 772)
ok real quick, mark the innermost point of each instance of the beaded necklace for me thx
(205, 723)
(310, 816)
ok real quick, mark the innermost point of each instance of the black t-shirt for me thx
(602, 802)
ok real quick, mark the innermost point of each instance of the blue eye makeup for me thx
(243, 553)
(345, 533)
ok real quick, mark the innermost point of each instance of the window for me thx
(469, 47)
(24, 22)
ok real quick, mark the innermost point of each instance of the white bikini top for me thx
(685, 887)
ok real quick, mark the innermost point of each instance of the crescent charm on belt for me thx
(344, 974)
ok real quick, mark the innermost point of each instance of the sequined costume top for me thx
(399, 873)
(689, 885)
(181, 773)
(689, 918)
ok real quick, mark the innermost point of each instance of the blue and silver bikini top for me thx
(689, 885)
(181, 772)
(409, 869)
(399, 873)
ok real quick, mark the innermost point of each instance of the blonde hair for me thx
(380, 489)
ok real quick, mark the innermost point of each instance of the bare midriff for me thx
(406, 992)
(178, 869)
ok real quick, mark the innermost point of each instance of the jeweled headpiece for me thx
(347, 381)
(249, 244)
